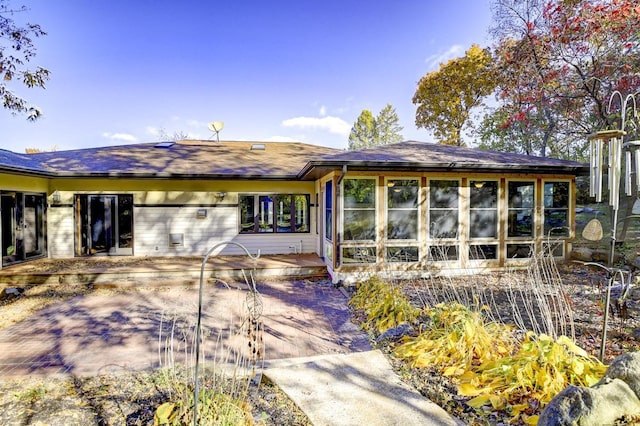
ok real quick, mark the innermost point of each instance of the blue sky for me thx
(279, 70)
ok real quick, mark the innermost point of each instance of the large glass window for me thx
(359, 219)
(274, 213)
(443, 209)
(556, 208)
(402, 209)
(483, 208)
(521, 196)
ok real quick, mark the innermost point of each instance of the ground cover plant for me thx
(497, 350)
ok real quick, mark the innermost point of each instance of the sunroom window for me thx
(279, 213)
(443, 209)
(521, 196)
(483, 208)
(359, 208)
(556, 208)
(402, 209)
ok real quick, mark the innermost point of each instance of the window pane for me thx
(520, 223)
(443, 253)
(359, 193)
(328, 211)
(483, 194)
(283, 203)
(402, 193)
(125, 221)
(556, 194)
(443, 194)
(302, 213)
(519, 251)
(402, 225)
(483, 251)
(359, 255)
(483, 224)
(444, 224)
(556, 218)
(402, 254)
(265, 217)
(521, 195)
(359, 225)
(247, 214)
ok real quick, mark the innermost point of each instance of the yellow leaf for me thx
(478, 401)
(467, 389)
(497, 402)
(531, 420)
(450, 371)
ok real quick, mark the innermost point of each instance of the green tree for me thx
(363, 133)
(445, 98)
(368, 131)
(16, 49)
(387, 124)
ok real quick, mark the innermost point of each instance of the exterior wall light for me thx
(55, 197)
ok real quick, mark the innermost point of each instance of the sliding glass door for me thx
(104, 224)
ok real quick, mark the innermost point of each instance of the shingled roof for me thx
(181, 159)
(270, 160)
(426, 157)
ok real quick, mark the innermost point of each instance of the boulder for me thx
(11, 293)
(615, 396)
(582, 254)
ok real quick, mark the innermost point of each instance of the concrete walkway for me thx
(341, 383)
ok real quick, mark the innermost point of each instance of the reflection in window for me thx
(274, 213)
(483, 206)
(359, 219)
(359, 255)
(443, 208)
(483, 252)
(519, 251)
(521, 204)
(402, 254)
(328, 211)
(556, 208)
(443, 253)
(402, 209)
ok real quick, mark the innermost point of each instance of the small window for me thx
(519, 251)
(483, 252)
(402, 254)
(443, 253)
(358, 255)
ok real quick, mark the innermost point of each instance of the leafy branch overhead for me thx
(16, 50)
(369, 131)
(558, 63)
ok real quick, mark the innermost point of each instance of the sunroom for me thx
(413, 216)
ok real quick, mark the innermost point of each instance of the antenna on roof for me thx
(215, 127)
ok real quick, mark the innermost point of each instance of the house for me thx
(402, 208)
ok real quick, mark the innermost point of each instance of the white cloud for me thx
(120, 137)
(153, 131)
(323, 111)
(454, 51)
(331, 124)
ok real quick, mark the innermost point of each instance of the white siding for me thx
(60, 232)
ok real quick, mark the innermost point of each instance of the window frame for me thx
(273, 214)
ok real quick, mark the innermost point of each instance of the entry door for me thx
(105, 224)
(22, 226)
(11, 226)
